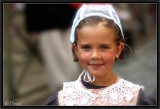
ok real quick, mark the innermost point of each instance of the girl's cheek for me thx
(108, 57)
(84, 56)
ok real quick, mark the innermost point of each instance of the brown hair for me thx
(94, 20)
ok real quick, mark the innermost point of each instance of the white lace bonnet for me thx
(86, 10)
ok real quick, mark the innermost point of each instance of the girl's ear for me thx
(119, 49)
(74, 48)
(74, 51)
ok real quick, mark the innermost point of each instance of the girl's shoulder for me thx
(52, 99)
(129, 85)
(144, 99)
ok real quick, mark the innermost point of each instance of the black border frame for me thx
(77, 1)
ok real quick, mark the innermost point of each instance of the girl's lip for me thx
(95, 65)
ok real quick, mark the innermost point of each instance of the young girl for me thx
(97, 42)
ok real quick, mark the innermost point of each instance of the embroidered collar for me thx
(121, 93)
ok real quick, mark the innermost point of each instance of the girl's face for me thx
(96, 49)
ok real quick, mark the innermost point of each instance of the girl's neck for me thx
(106, 80)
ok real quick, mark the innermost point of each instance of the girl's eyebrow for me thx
(105, 44)
(84, 45)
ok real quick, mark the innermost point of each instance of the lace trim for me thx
(122, 93)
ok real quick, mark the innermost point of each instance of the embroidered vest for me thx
(122, 93)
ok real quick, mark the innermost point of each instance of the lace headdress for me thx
(87, 10)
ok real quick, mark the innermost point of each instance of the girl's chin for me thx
(96, 73)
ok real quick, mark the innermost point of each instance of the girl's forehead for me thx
(96, 34)
(98, 29)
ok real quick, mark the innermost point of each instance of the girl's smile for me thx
(96, 66)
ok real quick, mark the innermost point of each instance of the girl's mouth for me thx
(95, 66)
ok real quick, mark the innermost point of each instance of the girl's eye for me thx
(104, 47)
(86, 48)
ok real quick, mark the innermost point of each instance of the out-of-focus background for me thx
(37, 57)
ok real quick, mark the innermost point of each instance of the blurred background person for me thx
(48, 27)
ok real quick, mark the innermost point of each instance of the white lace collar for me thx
(119, 94)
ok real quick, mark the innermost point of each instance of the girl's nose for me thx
(95, 55)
